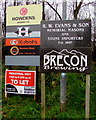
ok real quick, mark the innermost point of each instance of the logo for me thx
(23, 11)
(65, 60)
(14, 50)
(13, 42)
(23, 31)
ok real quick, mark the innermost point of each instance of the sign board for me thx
(23, 35)
(24, 31)
(22, 60)
(76, 60)
(22, 51)
(24, 15)
(20, 82)
(22, 46)
(22, 42)
(66, 33)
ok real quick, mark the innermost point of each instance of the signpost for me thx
(66, 47)
(20, 82)
(23, 35)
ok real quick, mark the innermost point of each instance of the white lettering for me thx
(52, 60)
(67, 56)
(77, 61)
(72, 60)
(14, 81)
(23, 31)
(59, 57)
(83, 24)
(46, 57)
(84, 58)
(44, 26)
(23, 82)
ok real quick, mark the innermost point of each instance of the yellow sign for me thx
(24, 15)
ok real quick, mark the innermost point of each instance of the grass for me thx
(20, 107)
(23, 106)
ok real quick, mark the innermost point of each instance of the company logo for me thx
(14, 50)
(13, 42)
(65, 60)
(23, 31)
(23, 11)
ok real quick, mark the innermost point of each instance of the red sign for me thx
(23, 11)
(20, 81)
(23, 42)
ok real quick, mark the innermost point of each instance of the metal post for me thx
(15, 2)
(43, 17)
(55, 13)
(63, 92)
(64, 10)
(63, 75)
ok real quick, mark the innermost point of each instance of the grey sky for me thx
(58, 1)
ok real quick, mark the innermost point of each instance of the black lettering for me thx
(23, 18)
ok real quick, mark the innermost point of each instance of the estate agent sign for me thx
(20, 82)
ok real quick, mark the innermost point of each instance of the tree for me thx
(83, 10)
(77, 8)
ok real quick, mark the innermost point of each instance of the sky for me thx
(50, 1)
